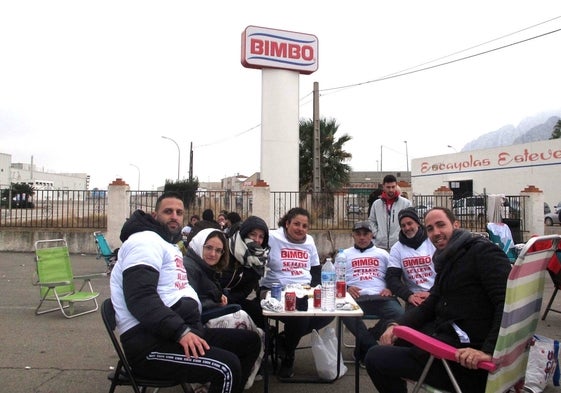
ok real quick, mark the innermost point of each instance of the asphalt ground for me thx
(51, 354)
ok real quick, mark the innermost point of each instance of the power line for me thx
(230, 137)
(477, 46)
(416, 69)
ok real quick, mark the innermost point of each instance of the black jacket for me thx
(204, 279)
(139, 288)
(469, 289)
(237, 281)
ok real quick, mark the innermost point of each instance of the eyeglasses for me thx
(209, 248)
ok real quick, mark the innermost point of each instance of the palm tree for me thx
(556, 134)
(334, 171)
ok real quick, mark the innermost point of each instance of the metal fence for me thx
(53, 209)
(328, 210)
(217, 201)
(471, 212)
(334, 211)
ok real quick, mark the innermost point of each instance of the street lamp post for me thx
(406, 155)
(138, 182)
(178, 155)
(452, 147)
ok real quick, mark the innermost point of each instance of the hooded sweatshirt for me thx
(149, 284)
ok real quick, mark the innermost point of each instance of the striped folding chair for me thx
(519, 322)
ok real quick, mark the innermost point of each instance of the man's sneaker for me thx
(361, 361)
(286, 368)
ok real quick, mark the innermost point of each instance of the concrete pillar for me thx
(118, 210)
(340, 208)
(406, 189)
(280, 129)
(261, 202)
(443, 197)
(533, 213)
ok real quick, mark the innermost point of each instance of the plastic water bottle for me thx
(328, 286)
(340, 274)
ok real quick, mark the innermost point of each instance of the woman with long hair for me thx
(293, 259)
(207, 256)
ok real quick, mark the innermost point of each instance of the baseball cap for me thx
(362, 225)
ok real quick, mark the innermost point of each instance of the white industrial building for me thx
(502, 170)
(29, 173)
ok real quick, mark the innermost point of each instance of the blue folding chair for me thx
(104, 251)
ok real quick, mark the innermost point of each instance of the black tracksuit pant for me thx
(226, 365)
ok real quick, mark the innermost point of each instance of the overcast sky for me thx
(91, 86)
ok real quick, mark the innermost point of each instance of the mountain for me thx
(530, 129)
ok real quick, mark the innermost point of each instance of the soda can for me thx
(317, 297)
(341, 289)
(276, 291)
(290, 301)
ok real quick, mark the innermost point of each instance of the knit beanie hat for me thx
(409, 212)
(254, 222)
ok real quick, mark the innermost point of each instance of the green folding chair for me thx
(56, 281)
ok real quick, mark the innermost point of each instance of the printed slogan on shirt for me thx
(366, 268)
(294, 261)
(418, 269)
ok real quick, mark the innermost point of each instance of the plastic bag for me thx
(324, 350)
(543, 364)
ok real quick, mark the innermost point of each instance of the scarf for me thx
(416, 240)
(456, 243)
(249, 253)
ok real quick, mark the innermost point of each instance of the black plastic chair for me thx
(123, 375)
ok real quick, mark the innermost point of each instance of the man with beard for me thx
(158, 313)
(410, 273)
(464, 309)
(384, 211)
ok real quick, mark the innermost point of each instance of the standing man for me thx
(411, 272)
(159, 314)
(383, 214)
(365, 275)
(464, 309)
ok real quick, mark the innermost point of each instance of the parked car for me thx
(354, 209)
(551, 219)
(422, 210)
(470, 206)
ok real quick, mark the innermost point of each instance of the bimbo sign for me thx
(270, 48)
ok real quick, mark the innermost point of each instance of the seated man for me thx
(159, 314)
(366, 272)
(464, 309)
(411, 272)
